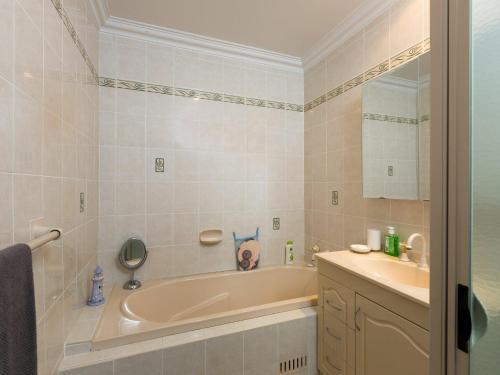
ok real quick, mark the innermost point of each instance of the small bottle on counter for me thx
(391, 242)
(289, 256)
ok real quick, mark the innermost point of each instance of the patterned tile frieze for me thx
(198, 94)
(389, 118)
(76, 39)
(385, 66)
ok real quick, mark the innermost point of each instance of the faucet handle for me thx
(403, 257)
(314, 250)
(405, 246)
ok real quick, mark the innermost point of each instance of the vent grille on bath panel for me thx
(292, 365)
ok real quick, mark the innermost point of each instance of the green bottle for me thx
(391, 242)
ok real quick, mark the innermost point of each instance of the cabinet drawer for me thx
(335, 341)
(329, 367)
(337, 300)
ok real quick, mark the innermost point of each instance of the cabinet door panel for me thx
(337, 300)
(387, 344)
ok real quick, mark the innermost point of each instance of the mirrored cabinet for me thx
(396, 133)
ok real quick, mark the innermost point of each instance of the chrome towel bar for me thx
(49, 234)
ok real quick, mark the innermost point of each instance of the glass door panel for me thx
(485, 184)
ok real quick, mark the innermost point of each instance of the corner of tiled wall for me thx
(48, 127)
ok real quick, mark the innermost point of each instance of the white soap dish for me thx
(358, 248)
(211, 236)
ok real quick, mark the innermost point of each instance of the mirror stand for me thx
(132, 283)
(132, 256)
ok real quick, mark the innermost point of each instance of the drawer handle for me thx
(331, 364)
(356, 319)
(331, 334)
(333, 306)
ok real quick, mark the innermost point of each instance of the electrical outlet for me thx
(390, 170)
(82, 202)
(276, 223)
(159, 165)
(335, 198)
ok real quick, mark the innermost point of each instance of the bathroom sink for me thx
(404, 278)
(396, 271)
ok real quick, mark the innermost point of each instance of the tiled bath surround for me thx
(333, 135)
(252, 347)
(227, 165)
(48, 156)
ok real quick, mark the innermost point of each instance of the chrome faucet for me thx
(422, 263)
(314, 250)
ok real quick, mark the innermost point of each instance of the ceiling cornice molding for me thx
(181, 39)
(364, 14)
(388, 80)
(100, 8)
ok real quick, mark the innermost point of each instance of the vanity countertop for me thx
(403, 278)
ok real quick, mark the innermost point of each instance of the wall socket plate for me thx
(390, 170)
(335, 198)
(159, 165)
(82, 202)
(276, 223)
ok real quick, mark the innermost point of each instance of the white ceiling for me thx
(290, 27)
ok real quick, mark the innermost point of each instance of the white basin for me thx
(396, 271)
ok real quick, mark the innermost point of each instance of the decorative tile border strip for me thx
(198, 94)
(76, 39)
(389, 118)
(403, 57)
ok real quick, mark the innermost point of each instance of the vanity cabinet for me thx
(387, 344)
(363, 330)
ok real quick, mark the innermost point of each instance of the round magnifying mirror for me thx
(132, 255)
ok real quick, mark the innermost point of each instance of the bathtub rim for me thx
(159, 330)
(158, 283)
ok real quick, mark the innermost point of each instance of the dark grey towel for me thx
(17, 312)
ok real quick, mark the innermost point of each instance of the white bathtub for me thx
(170, 306)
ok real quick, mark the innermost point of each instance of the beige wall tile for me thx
(185, 359)
(6, 198)
(224, 355)
(28, 49)
(105, 368)
(27, 135)
(6, 125)
(148, 363)
(7, 30)
(160, 67)
(292, 339)
(27, 196)
(130, 59)
(54, 336)
(261, 351)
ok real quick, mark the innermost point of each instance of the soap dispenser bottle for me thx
(391, 242)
